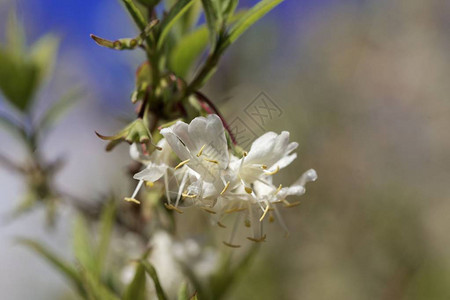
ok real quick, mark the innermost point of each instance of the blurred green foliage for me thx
(22, 70)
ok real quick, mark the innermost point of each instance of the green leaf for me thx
(199, 289)
(248, 19)
(148, 2)
(18, 79)
(28, 202)
(43, 55)
(169, 3)
(58, 109)
(183, 292)
(228, 8)
(190, 47)
(213, 14)
(135, 13)
(137, 289)
(106, 226)
(151, 271)
(15, 35)
(186, 52)
(175, 13)
(68, 271)
(12, 127)
(191, 18)
(20, 74)
(226, 275)
(82, 245)
(95, 289)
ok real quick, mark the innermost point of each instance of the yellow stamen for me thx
(221, 225)
(278, 189)
(274, 171)
(209, 210)
(265, 213)
(149, 183)
(292, 204)
(225, 188)
(247, 223)
(171, 207)
(211, 161)
(271, 218)
(235, 210)
(249, 190)
(188, 196)
(201, 150)
(182, 163)
(131, 200)
(231, 245)
(262, 239)
(264, 167)
(245, 153)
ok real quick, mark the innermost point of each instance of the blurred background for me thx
(363, 87)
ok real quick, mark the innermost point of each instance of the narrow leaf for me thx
(137, 289)
(106, 227)
(226, 275)
(248, 19)
(136, 15)
(12, 127)
(59, 109)
(199, 289)
(175, 13)
(15, 35)
(43, 55)
(152, 273)
(213, 14)
(187, 51)
(190, 48)
(95, 289)
(19, 79)
(228, 8)
(183, 292)
(191, 18)
(68, 271)
(82, 245)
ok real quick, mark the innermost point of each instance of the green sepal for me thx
(135, 132)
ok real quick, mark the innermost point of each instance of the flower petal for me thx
(152, 173)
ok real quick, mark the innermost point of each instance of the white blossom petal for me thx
(151, 173)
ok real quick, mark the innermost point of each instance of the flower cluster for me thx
(215, 177)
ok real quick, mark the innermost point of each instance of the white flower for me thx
(212, 178)
(269, 195)
(201, 145)
(161, 257)
(157, 165)
(220, 183)
(268, 154)
(167, 254)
